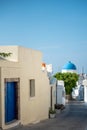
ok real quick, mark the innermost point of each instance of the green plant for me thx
(3, 54)
(51, 111)
(69, 79)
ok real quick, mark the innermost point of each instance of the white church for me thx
(69, 67)
(80, 91)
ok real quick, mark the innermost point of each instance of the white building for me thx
(85, 90)
(24, 88)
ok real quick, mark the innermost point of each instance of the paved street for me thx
(74, 117)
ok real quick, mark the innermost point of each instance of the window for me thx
(32, 88)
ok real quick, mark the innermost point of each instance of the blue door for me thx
(10, 101)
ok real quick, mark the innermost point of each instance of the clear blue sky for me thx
(58, 28)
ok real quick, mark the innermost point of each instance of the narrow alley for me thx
(73, 117)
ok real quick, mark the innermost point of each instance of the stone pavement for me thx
(73, 117)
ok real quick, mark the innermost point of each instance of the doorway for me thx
(11, 101)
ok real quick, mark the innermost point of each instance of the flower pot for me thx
(58, 111)
(52, 115)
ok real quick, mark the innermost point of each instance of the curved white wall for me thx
(71, 71)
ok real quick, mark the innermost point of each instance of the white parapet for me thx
(60, 92)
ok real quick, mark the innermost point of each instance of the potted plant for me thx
(52, 113)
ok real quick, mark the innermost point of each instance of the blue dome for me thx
(69, 66)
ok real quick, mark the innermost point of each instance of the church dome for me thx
(69, 66)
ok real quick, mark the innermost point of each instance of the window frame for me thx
(32, 88)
